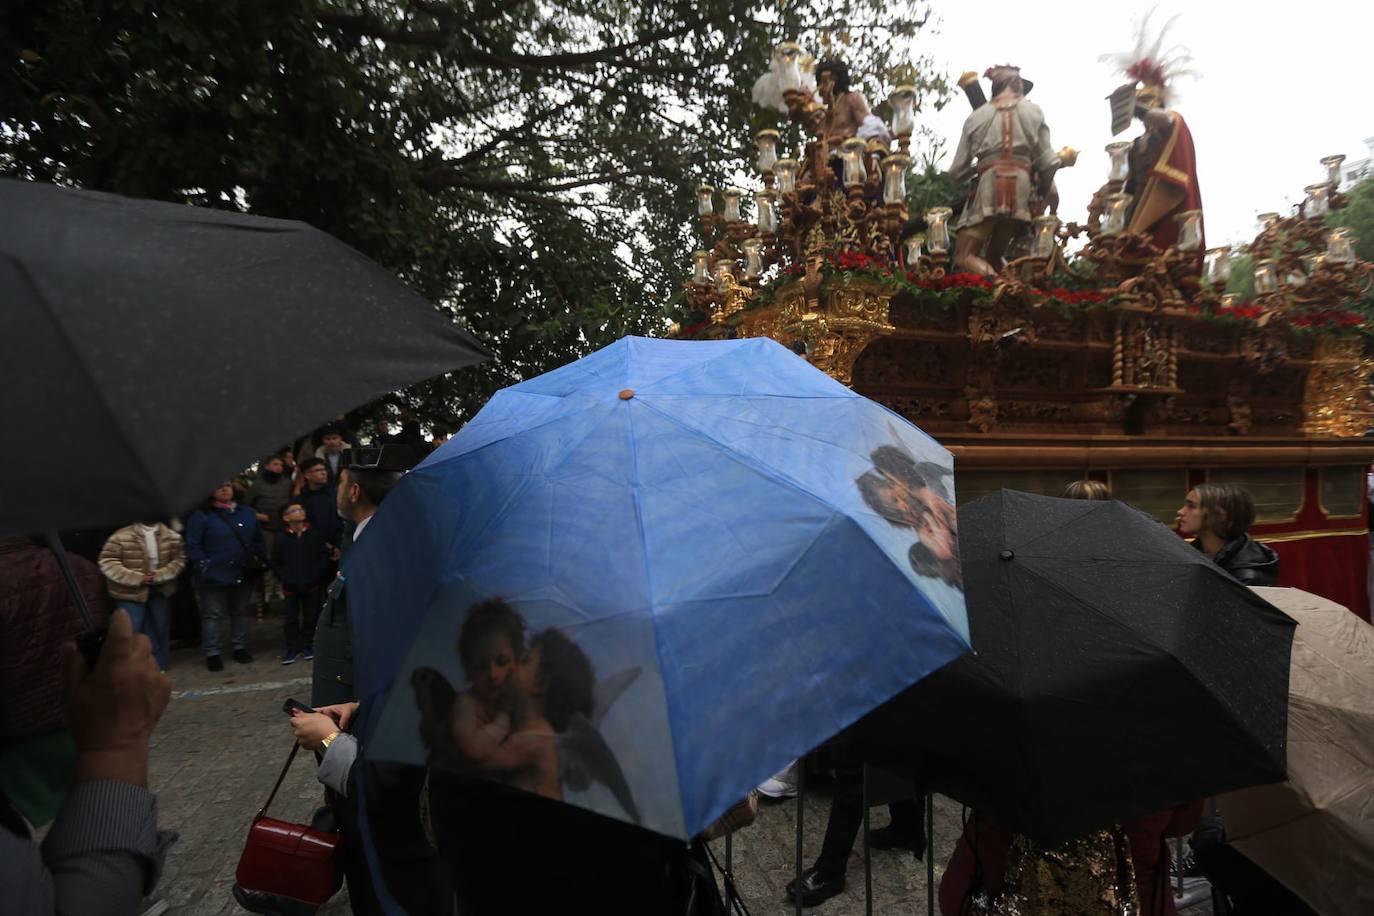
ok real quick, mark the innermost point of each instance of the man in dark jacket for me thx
(368, 475)
(320, 499)
(300, 559)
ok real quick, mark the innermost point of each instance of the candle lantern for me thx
(766, 212)
(704, 205)
(1218, 266)
(1120, 168)
(1045, 228)
(1266, 277)
(1333, 169)
(937, 229)
(911, 248)
(852, 155)
(1189, 230)
(753, 258)
(903, 102)
(1311, 263)
(1118, 205)
(725, 275)
(701, 267)
(789, 56)
(1340, 246)
(1229, 301)
(785, 172)
(894, 178)
(1318, 200)
(731, 198)
(1267, 221)
(767, 143)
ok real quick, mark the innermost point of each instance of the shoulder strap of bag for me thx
(248, 551)
(277, 785)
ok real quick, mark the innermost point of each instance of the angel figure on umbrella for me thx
(915, 495)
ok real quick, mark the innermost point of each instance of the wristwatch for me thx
(329, 739)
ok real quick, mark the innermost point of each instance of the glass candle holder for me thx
(1266, 276)
(1189, 230)
(789, 56)
(852, 155)
(701, 267)
(766, 212)
(1332, 164)
(1266, 221)
(1340, 246)
(937, 229)
(903, 102)
(1230, 301)
(894, 178)
(725, 275)
(1311, 263)
(911, 248)
(705, 206)
(785, 174)
(1044, 243)
(1119, 168)
(731, 198)
(753, 258)
(1318, 200)
(1218, 266)
(1114, 216)
(767, 143)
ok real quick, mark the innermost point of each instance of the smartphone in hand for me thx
(291, 705)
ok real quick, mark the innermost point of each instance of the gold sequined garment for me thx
(1088, 876)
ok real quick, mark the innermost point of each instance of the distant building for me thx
(1359, 169)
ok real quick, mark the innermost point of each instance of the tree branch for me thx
(445, 177)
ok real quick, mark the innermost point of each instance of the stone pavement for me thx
(224, 738)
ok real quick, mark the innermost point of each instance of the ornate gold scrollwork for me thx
(1335, 401)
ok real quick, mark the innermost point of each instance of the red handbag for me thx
(289, 860)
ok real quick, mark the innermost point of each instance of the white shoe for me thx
(782, 784)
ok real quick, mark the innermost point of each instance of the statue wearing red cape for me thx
(1163, 177)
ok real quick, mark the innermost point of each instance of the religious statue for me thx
(1006, 145)
(1163, 166)
(847, 113)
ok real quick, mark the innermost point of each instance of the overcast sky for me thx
(1281, 85)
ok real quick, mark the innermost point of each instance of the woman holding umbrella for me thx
(1219, 517)
(225, 547)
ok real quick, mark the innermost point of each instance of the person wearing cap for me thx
(1006, 145)
(366, 476)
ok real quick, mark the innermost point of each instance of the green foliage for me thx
(528, 165)
(1358, 216)
(1241, 282)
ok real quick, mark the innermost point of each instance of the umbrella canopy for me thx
(715, 558)
(1315, 832)
(148, 350)
(1116, 671)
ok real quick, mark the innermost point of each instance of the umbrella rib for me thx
(97, 390)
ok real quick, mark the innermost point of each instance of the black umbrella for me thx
(1116, 671)
(149, 350)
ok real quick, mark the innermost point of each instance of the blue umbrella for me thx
(712, 557)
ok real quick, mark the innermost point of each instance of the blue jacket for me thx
(214, 552)
(322, 511)
(301, 561)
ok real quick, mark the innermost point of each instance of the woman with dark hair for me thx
(223, 546)
(1218, 517)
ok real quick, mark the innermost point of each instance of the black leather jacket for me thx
(1248, 561)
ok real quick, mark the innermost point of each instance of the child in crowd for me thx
(300, 559)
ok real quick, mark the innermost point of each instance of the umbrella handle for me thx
(89, 642)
